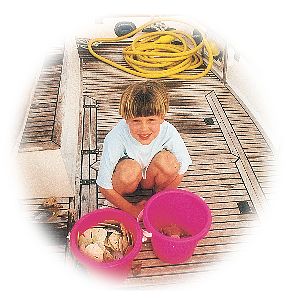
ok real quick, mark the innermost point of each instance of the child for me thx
(142, 148)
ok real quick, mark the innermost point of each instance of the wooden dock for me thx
(232, 165)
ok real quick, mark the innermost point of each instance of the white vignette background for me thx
(263, 272)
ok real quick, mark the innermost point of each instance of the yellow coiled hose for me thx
(152, 55)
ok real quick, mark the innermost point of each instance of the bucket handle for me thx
(146, 234)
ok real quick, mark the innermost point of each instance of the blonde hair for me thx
(143, 99)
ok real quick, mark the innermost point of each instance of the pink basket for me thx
(119, 268)
(186, 210)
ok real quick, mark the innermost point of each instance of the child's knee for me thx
(167, 163)
(128, 172)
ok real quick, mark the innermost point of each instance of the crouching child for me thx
(142, 149)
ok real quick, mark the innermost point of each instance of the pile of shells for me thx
(107, 241)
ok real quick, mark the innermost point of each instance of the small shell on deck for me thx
(49, 202)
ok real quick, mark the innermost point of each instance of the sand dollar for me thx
(99, 235)
(94, 251)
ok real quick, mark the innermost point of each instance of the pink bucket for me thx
(183, 208)
(118, 268)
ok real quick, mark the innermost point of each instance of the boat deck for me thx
(232, 165)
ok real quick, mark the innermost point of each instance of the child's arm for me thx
(116, 199)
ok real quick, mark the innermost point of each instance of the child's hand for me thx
(137, 208)
(141, 203)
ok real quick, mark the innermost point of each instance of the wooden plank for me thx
(35, 112)
(213, 182)
(39, 124)
(149, 259)
(41, 118)
(216, 186)
(223, 193)
(93, 157)
(199, 176)
(34, 139)
(243, 164)
(84, 192)
(34, 129)
(151, 267)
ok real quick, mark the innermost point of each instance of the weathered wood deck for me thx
(232, 161)
(42, 129)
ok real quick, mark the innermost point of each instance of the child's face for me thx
(145, 129)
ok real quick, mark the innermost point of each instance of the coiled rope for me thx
(153, 55)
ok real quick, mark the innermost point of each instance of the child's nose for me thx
(144, 126)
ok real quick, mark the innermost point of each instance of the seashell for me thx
(83, 240)
(94, 251)
(117, 255)
(129, 238)
(82, 247)
(114, 241)
(112, 222)
(107, 243)
(49, 202)
(121, 245)
(111, 227)
(173, 231)
(123, 229)
(107, 256)
(125, 243)
(98, 236)
(88, 233)
(116, 232)
(124, 239)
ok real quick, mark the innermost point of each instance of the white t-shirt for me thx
(119, 143)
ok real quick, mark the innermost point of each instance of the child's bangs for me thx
(144, 100)
(142, 109)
